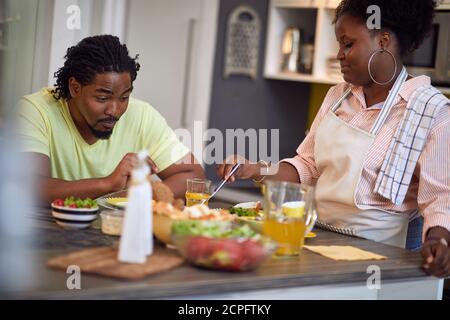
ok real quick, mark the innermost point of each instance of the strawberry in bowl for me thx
(74, 213)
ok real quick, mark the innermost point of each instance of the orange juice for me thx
(193, 198)
(288, 233)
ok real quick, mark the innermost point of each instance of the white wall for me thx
(97, 17)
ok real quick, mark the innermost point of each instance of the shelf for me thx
(288, 76)
(332, 4)
(444, 90)
(443, 5)
(315, 18)
(280, 19)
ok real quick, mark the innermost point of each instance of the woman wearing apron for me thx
(378, 150)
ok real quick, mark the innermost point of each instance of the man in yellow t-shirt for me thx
(83, 135)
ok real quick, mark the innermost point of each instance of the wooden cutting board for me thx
(103, 261)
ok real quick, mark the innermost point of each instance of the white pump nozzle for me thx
(142, 155)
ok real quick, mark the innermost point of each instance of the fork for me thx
(222, 183)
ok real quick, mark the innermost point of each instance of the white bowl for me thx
(74, 218)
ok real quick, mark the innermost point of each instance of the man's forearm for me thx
(52, 189)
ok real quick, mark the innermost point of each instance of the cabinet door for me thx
(164, 33)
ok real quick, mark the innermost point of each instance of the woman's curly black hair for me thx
(409, 20)
(93, 55)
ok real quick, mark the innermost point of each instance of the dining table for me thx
(306, 276)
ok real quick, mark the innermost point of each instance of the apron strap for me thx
(387, 106)
(338, 103)
(389, 103)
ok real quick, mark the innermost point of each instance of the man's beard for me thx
(104, 135)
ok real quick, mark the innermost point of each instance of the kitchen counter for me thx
(309, 276)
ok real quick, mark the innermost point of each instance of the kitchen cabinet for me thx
(444, 4)
(175, 43)
(315, 18)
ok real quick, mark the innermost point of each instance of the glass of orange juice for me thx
(289, 215)
(197, 190)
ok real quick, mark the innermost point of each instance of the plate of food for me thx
(165, 214)
(119, 200)
(248, 210)
(251, 213)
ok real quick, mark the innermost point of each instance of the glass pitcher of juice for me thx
(289, 214)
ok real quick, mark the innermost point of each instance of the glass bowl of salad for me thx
(74, 213)
(220, 245)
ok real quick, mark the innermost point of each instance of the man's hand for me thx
(436, 253)
(119, 178)
(153, 166)
(50, 188)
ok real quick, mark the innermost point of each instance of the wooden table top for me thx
(308, 269)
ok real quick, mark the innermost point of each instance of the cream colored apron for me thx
(340, 151)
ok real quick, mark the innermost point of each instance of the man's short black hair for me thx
(93, 55)
(409, 20)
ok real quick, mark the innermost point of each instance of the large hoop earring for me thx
(370, 62)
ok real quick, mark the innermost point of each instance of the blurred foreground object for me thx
(17, 32)
(136, 242)
(16, 198)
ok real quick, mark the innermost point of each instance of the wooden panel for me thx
(103, 261)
